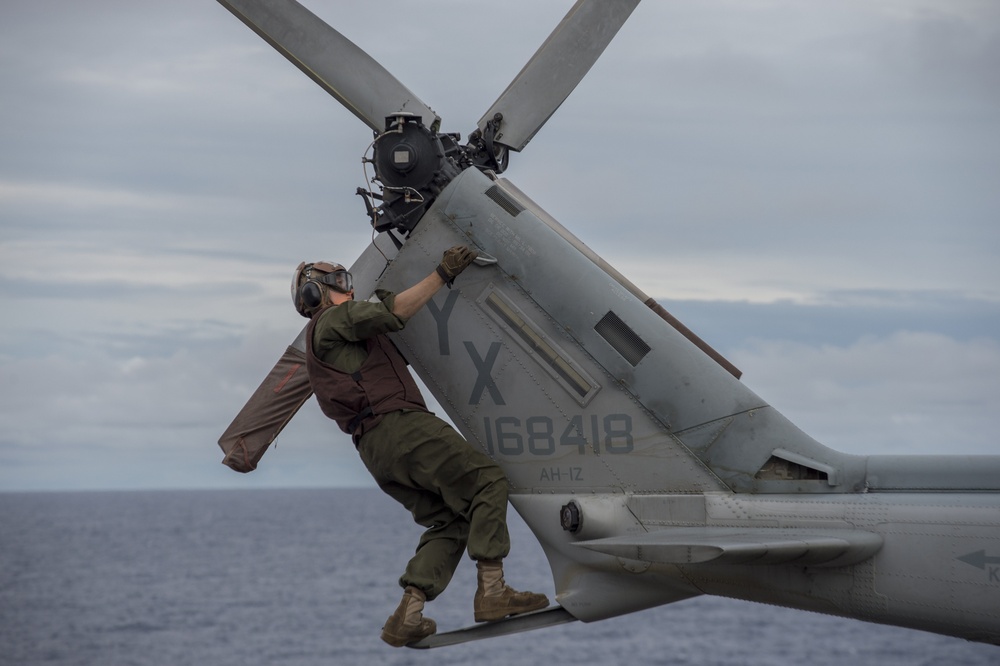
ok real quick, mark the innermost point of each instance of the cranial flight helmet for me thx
(311, 281)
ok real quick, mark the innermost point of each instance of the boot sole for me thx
(501, 613)
(402, 641)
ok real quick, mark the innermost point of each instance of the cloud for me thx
(103, 420)
(840, 318)
(902, 393)
(798, 181)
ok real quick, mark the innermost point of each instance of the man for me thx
(455, 491)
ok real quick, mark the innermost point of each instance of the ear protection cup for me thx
(311, 294)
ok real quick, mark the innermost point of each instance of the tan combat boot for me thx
(495, 601)
(408, 625)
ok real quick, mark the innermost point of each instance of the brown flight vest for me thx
(357, 401)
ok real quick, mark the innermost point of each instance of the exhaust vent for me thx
(789, 466)
(625, 341)
(505, 201)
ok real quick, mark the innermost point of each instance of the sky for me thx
(812, 187)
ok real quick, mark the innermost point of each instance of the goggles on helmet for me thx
(339, 279)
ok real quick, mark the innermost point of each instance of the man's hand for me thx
(454, 261)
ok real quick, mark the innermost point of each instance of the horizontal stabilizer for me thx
(731, 545)
(547, 617)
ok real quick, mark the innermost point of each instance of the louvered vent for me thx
(504, 200)
(625, 341)
(778, 469)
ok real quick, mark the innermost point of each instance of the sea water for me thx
(307, 577)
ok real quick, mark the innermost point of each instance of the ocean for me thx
(307, 577)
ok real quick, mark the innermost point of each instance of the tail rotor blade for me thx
(268, 410)
(556, 69)
(338, 65)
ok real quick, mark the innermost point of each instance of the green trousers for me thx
(452, 489)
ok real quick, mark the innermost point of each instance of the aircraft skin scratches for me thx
(648, 472)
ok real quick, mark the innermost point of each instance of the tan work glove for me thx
(454, 261)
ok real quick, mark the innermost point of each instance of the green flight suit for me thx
(452, 489)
